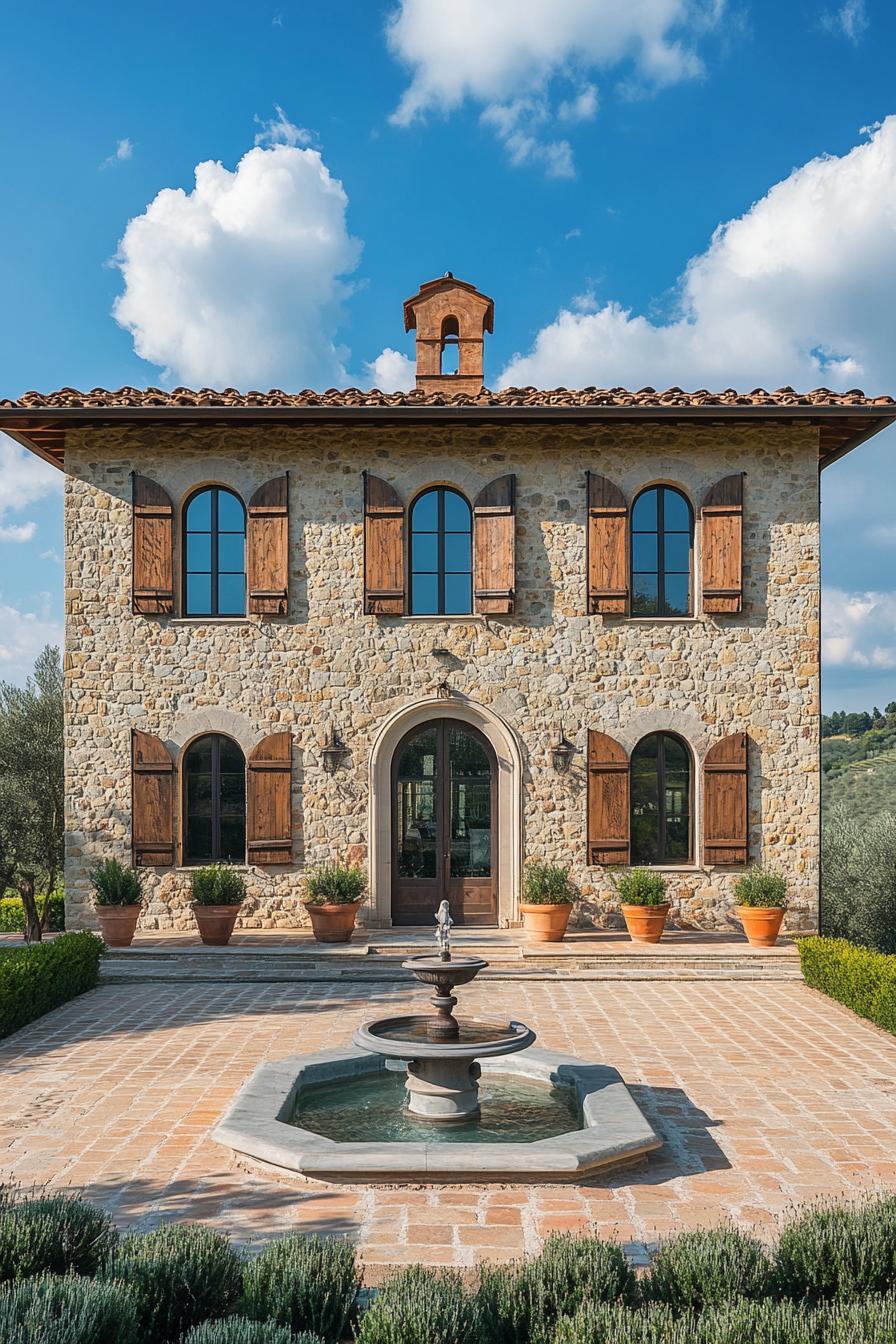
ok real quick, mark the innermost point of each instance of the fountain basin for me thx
(611, 1130)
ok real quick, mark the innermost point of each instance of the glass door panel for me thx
(471, 806)
(416, 803)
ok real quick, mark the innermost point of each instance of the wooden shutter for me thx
(725, 817)
(608, 806)
(267, 549)
(383, 549)
(152, 802)
(494, 547)
(721, 543)
(152, 569)
(607, 547)
(269, 800)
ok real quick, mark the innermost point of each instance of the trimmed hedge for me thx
(12, 913)
(39, 977)
(860, 979)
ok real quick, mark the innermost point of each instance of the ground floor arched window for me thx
(661, 793)
(214, 830)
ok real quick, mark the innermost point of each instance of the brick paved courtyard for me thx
(765, 1095)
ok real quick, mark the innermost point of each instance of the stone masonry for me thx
(547, 667)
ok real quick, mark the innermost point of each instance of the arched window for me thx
(662, 550)
(215, 554)
(214, 773)
(449, 353)
(661, 800)
(441, 554)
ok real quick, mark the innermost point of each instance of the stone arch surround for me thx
(504, 743)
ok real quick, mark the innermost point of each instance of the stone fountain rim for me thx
(520, 1037)
(615, 1132)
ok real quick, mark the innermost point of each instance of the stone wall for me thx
(546, 667)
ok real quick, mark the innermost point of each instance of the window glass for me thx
(441, 554)
(215, 554)
(662, 538)
(660, 801)
(214, 801)
(416, 807)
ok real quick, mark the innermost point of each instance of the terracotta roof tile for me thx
(69, 398)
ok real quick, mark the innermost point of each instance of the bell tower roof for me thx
(449, 314)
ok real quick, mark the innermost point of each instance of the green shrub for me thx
(759, 888)
(862, 980)
(178, 1275)
(53, 1234)
(603, 1323)
(240, 1330)
(640, 886)
(765, 1322)
(71, 1310)
(217, 884)
(871, 1321)
(114, 884)
(858, 884)
(706, 1268)
(520, 1303)
(335, 884)
(12, 914)
(547, 884)
(305, 1283)
(839, 1251)
(420, 1306)
(39, 977)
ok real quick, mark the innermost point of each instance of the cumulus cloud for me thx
(17, 531)
(24, 479)
(858, 629)
(849, 21)
(391, 371)
(124, 150)
(503, 54)
(239, 282)
(22, 636)
(279, 130)
(801, 289)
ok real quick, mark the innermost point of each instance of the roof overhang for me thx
(43, 430)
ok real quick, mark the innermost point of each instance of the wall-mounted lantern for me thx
(333, 752)
(562, 753)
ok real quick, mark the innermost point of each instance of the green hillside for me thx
(859, 772)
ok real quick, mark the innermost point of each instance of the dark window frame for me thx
(215, 491)
(662, 859)
(660, 489)
(216, 740)
(440, 491)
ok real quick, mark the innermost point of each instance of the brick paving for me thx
(766, 1096)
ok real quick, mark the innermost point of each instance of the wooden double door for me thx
(444, 810)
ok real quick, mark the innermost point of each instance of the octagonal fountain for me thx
(434, 1097)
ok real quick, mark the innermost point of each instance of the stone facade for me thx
(546, 667)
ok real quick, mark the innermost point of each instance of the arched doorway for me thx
(444, 823)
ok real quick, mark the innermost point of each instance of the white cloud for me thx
(858, 629)
(505, 53)
(849, 21)
(800, 290)
(279, 130)
(237, 282)
(124, 150)
(24, 479)
(18, 531)
(22, 636)
(518, 126)
(391, 371)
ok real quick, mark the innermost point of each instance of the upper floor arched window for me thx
(215, 554)
(441, 558)
(214, 772)
(662, 553)
(661, 800)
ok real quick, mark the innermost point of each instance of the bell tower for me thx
(450, 318)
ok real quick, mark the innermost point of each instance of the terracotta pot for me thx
(762, 923)
(215, 923)
(545, 923)
(118, 923)
(333, 923)
(645, 923)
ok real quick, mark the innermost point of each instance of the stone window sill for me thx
(211, 620)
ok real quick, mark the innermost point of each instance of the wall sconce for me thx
(332, 753)
(562, 753)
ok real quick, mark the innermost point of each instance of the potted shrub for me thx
(548, 896)
(118, 893)
(334, 892)
(761, 901)
(642, 898)
(218, 892)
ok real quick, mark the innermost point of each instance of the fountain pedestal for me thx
(443, 1089)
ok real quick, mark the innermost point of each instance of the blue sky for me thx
(573, 158)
